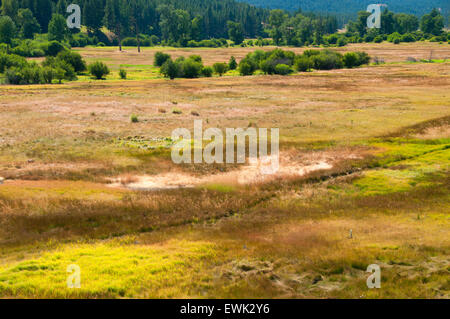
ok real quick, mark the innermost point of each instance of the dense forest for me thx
(27, 26)
(208, 19)
(350, 7)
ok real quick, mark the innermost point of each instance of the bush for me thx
(74, 59)
(134, 118)
(11, 60)
(350, 59)
(327, 60)
(332, 39)
(48, 74)
(53, 48)
(408, 38)
(363, 58)
(191, 69)
(232, 64)
(170, 69)
(30, 74)
(303, 63)
(396, 41)
(342, 42)
(98, 69)
(393, 37)
(65, 69)
(378, 39)
(123, 74)
(245, 68)
(196, 58)
(283, 69)
(160, 58)
(130, 42)
(220, 68)
(207, 71)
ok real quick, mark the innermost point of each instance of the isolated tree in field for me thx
(220, 68)
(7, 29)
(57, 28)
(27, 23)
(98, 69)
(235, 32)
(432, 23)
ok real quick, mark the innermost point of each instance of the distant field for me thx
(384, 131)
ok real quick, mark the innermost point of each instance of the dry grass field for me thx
(372, 143)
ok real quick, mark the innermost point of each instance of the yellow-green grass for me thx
(120, 268)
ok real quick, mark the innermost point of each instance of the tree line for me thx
(195, 23)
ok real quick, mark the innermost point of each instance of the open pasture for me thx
(382, 129)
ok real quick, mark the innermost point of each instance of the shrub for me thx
(11, 60)
(196, 58)
(378, 39)
(350, 59)
(393, 37)
(332, 39)
(53, 48)
(30, 74)
(177, 111)
(283, 69)
(13, 76)
(267, 66)
(68, 71)
(48, 73)
(342, 42)
(232, 64)
(170, 69)
(207, 71)
(98, 69)
(396, 41)
(134, 118)
(303, 63)
(220, 68)
(408, 38)
(130, 42)
(74, 59)
(245, 68)
(123, 74)
(327, 60)
(101, 44)
(363, 58)
(160, 58)
(191, 69)
(59, 74)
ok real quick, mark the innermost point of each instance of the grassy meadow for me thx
(384, 129)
